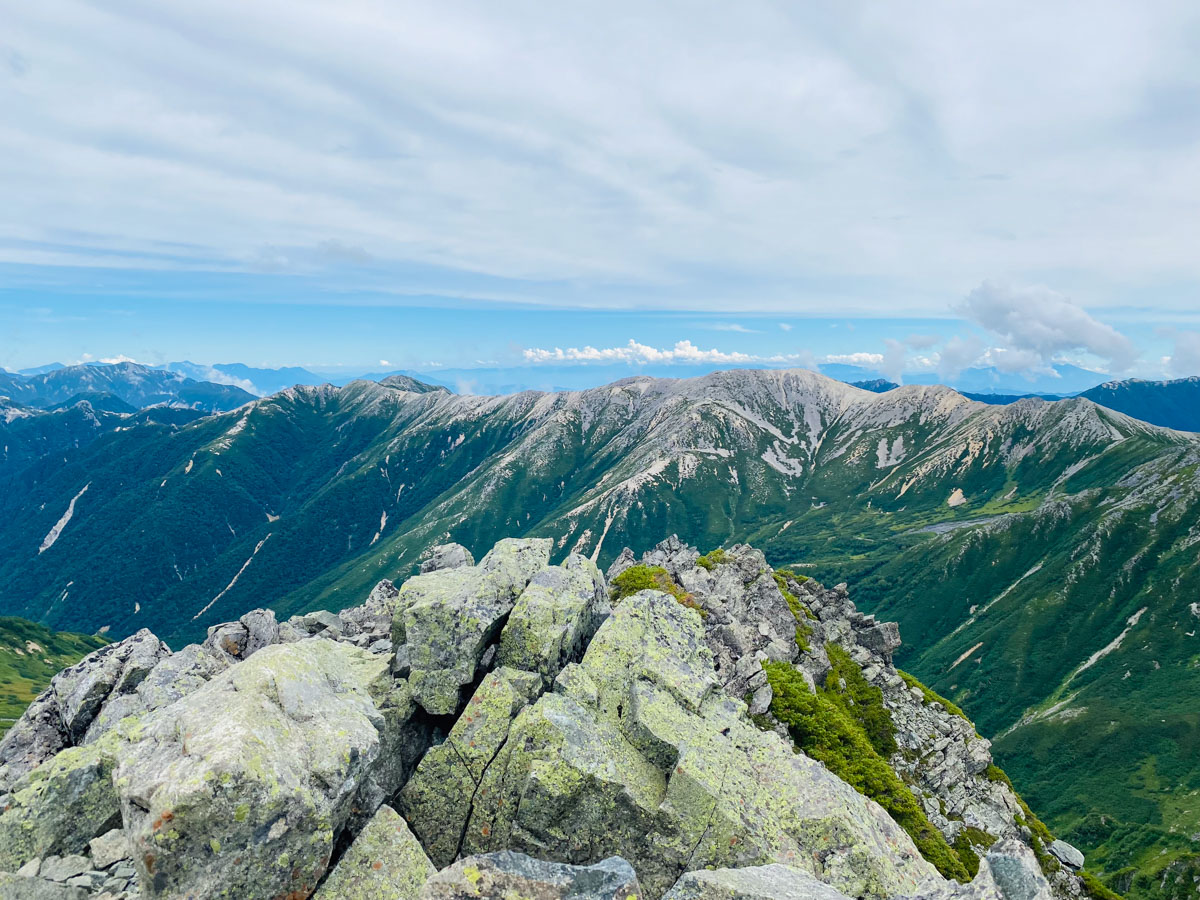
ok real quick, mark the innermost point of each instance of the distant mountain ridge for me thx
(1017, 545)
(1173, 404)
(134, 384)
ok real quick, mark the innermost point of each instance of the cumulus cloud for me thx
(637, 353)
(957, 354)
(1034, 325)
(862, 358)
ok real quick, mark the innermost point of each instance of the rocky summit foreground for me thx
(689, 727)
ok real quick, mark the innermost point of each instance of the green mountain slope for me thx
(30, 656)
(1173, 404)
(1012, 543)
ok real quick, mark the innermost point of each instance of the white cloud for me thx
(1185, 358)
(732, 326)
(1035, 325)
(113, 360)
(785, 326)
(881, 155)
(682, 352)
(384, 362)
(957, 354)
(866, 360)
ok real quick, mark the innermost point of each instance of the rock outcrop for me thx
(507, 723)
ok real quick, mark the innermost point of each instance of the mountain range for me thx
(136, 386)
(1039, 556)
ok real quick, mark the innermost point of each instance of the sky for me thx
(927, 186)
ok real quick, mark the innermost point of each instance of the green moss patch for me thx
(651, 578)
(821, 728)
(712, 559)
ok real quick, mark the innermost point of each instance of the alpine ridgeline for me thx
(1040, 556)
(690, 727)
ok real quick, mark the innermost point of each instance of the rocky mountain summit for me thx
(689, 727)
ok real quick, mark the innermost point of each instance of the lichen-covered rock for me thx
(639, 754)
(554, 617)
(1016, 872)
(437, 799)
(61, 805)
(447, 556)
(447, 618)
(515, 875)
(773, 882)
(111, 671)
(748, 621)
(63, 715)
(20, 887)
(385, 861)
(240, 788)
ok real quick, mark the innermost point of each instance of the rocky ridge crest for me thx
(521, 727)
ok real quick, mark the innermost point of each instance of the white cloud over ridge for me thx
(637, 353)
(1036, 324)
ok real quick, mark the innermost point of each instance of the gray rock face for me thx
(506, 874)
(774, 882)
(241, 786)
(554, 618)
(448, 617)
(1016, 873)
(111, 671)
(439, 796)
(61, 806)
(63, 714)
(1066, 854)
(385, 861)
(447, 556)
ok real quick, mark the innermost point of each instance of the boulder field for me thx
(515, 729)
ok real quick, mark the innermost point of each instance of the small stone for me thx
(1067, 854)
(509, 874)
(66, 867)
(109, 848)
(761, 701)
(18, 887)
(30, 869)
(773, 882)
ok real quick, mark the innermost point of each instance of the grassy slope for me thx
(29, 656)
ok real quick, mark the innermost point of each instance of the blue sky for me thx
(932, 185)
